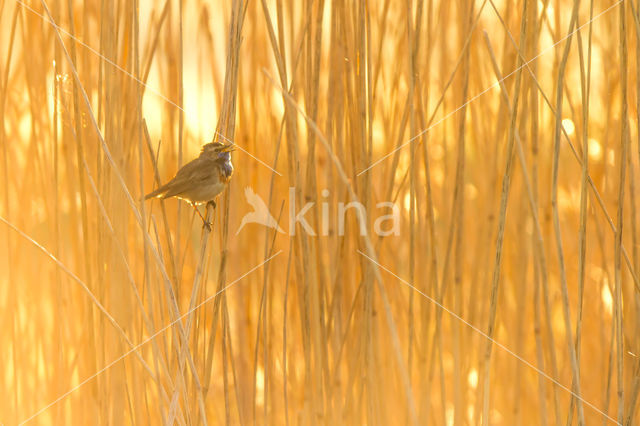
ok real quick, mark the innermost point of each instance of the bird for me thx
(260, 214)
(201, 180)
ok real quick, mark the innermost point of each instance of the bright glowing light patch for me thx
(568, 126)
(24, 127)
(260, 386)
(470, 412)
(449, 415)
(407, 201)
(607, 298)
(470, 191)
(595, 150)
(377, 133)
(472, 378)
(550, 12)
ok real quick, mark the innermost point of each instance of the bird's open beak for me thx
(228, 148)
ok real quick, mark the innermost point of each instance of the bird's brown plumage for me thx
(202, 179)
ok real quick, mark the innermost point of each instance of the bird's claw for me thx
(207, 226)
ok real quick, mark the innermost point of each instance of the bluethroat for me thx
(201, 180)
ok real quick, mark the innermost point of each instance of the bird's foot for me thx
(207, 225)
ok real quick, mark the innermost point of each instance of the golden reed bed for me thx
(432, 219)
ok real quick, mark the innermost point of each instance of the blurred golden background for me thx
(505, 133)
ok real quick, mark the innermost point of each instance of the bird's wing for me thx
(193, 170)
(194, 173)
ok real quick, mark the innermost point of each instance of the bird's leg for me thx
(204, 221)
(213, 203)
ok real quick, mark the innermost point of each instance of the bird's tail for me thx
(156, 194)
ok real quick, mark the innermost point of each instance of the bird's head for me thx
(218, 149)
